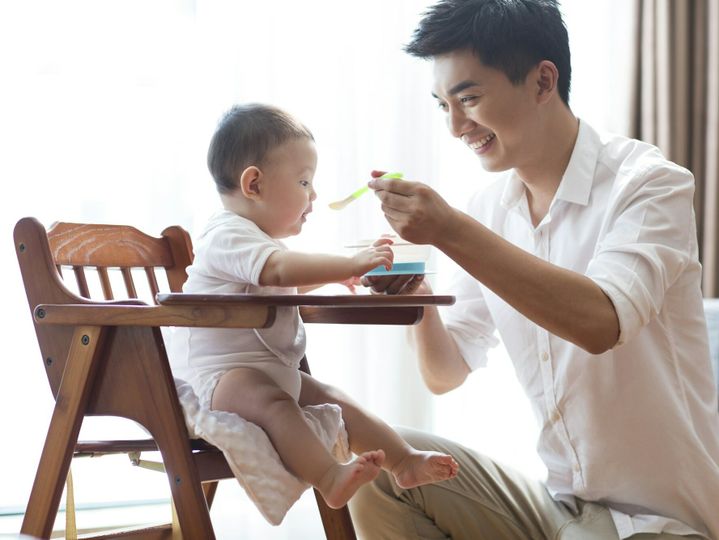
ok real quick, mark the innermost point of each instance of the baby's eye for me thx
(304, 183)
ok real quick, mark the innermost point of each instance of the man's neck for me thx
(546, 163)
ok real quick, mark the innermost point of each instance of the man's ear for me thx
(546, 79)
(250, 180)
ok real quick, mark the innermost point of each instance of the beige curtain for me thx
(676, 104)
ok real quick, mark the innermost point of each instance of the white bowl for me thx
(409, 258)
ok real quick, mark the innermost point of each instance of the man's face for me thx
(485, 110)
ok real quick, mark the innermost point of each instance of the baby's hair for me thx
(244, 137)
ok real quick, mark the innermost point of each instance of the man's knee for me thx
(369, 503)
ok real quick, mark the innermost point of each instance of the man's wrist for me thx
(448, 233)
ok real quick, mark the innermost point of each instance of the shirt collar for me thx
(576, 184)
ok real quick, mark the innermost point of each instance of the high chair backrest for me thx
(82, 251)
(124, 248)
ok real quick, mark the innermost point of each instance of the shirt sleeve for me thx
(468, 320)
(648, 239)
(238, 253)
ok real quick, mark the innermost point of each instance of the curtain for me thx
(676, 104)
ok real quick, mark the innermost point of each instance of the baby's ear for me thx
(250, 182)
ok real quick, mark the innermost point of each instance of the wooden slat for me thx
(129, 282)
(245, 316)
(212, 466)
(123, 446)
(105, 283)
(82, 287)
(146, 532)
(210, 489)
(152, 281)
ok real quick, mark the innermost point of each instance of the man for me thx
(584, 258)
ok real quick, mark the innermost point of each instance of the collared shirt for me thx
(635, 428)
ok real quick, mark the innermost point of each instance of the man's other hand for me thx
(400, 284)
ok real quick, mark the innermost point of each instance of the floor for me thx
(233, 516)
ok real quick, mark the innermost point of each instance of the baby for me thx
(263, 162)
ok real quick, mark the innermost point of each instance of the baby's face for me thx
(287, 191)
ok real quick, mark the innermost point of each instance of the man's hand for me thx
(413, 209)
(401, 284)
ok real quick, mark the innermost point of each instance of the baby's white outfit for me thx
(230, 254)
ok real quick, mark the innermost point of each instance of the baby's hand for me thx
(379, 253)
(351, 283)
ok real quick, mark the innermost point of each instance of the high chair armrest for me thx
(334, 300)
(196, 315)
(329, 309)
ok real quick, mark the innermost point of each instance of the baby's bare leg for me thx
(255, 397)
(409, 466)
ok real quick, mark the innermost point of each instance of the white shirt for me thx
(229, 256)
(635, 428)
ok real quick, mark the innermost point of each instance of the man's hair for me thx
(512, 36)
(244, 137)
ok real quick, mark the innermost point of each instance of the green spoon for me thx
(339, 205)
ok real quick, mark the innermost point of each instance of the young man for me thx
(584, 258)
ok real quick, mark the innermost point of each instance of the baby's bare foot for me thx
(420, 468)
(341, 481)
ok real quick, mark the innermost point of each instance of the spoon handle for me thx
(359, 192)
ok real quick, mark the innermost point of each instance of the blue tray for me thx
(399, 269)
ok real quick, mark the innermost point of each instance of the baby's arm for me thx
(350, 283)
(295, 269)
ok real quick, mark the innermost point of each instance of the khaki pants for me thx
(485, 501)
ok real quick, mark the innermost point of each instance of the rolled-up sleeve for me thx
(645, 244)
(469, 322)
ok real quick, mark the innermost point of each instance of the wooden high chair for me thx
(107, 358)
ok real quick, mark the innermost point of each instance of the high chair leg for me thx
(70, 405)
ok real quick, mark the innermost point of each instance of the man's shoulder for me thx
(634, 160)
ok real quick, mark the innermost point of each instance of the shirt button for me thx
(545, 356)
(555, 416)
(576, 468)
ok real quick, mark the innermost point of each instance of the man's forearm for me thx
(440, 363)
(563, 302)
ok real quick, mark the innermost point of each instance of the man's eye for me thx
(442, 105)
(467, 99)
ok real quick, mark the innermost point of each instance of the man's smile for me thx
(480, 145)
